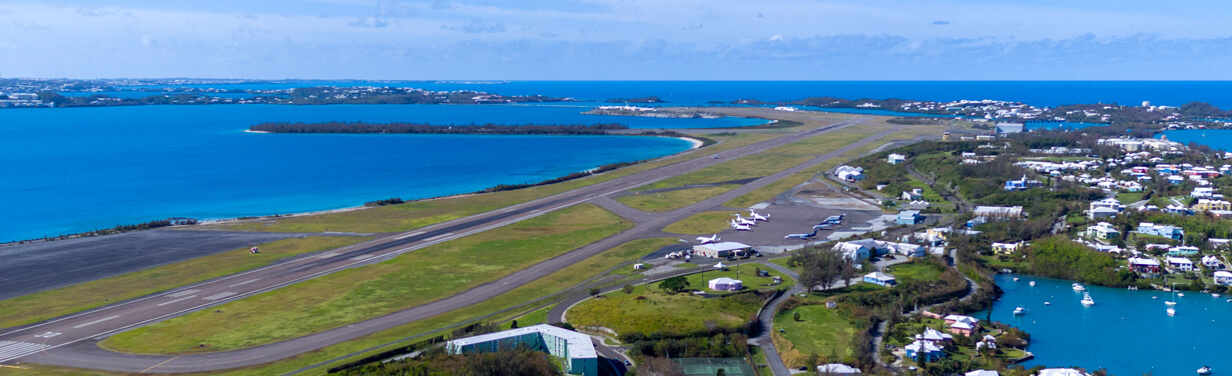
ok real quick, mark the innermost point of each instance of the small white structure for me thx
(896, 159)
(1061, 372)
(837, 369)
(721, 250)
(726, 284)
(982, 372)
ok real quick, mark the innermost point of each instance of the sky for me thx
(618, 39)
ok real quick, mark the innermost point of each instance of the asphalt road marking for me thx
(219, 295)
(362, 257)
(177, 300)
(10, 350)
(94, 322)
(327, 255)
(409, 235)
(438, 237)
(159, 364)
(47, 335)
(245, 282)
(181, 293)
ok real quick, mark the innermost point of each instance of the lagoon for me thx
(1127, 332)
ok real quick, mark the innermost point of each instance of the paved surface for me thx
(70, 341)
(34, 267)
(767, 324)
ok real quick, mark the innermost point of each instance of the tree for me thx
(628, 289)
(513, 325)
(594, 291)
(675, 284)
(796, 316)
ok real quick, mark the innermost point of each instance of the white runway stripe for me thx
(12, 350)
(219, 295)
(94, 322)
(245, 282)
(181, 293)
(327, 255)
(177, 300)
(362, 257)
(409, 235)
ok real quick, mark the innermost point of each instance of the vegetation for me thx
(819, 331)
(1058, 257)
(388, 201)
(924, 270)
(360, 293)
(414, 128)
(672, 199)
(120, 229)
(646, 312)
(518, 361)
(80, 297)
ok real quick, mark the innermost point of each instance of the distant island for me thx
(650, 99)
(651, 112)
(414, 128)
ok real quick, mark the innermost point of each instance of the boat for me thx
(1171, 303)
(1015, 279)
(1215, 295)
(1205, 370)
(1086, 299)
(1171, 312)
(1019, 311)
(1180, 294)
(1047, 303)
(1032, 283)
(1079, 287)
(1132, 288)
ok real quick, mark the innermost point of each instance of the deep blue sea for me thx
(1127, 332)
(76, 169)
(1220, 139)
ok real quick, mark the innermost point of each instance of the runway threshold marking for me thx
(219, 295)
(177, 300)
(438, 236)
(327, 255)
(10, 350)
(409, 235)
(95, 322)
(362, 257)
(245, 282)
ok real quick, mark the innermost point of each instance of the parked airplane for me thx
(758, 217)
(823, 226)
(708, 240)
(801, 236)
(740, 227)
(742, 220)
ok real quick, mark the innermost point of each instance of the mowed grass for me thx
(751, 166)
(915, 271)
(658, 311)
(80, 297)
(536, 317)
(822, 331)
(746, 273)
(824, 143)
(705, 223)
(357, 294)
(671, 200)
(413, 215)
(771, 190)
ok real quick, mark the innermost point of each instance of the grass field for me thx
(413, 215)
(705, 223)
(357, 294)
(1127, 198)
(822, 331)
(824, 143)
(741, 168)
(745, 273)
(915, 271)
(671, 200)
(536, 317)
(76, 298)
(768, 192)
(662, 312)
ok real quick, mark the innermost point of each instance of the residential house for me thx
(1167, 231)
(837, 369)
(905, 249)
(896, 159)
(934, 336)
(924, 351)
(879, 278)
(1103, 232)
(908, 217)
(982, 372)
(1006, 248)
(1108, 203)
(1148, 267)
(1061, 372)
(1022, 184)
(918, 205)
(914, 194)
(1101, 213)
(726, 284)
(962, 325)
(1219, 243)
(1180, 264)
(857, 250)
(1208, 205)
(1223, 277)
(1202, 192)
(1184, 250)
(1212, 262)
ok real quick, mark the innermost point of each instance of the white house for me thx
(1061, 372)
(837, 369)
(849, 173)
(726, 284)
(896, 158)
(1223, 277)
(982, 372)
(1212, 262)
(1181, 263)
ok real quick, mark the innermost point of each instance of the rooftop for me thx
(579, 344)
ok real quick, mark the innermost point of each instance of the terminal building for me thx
(721, 250)
(575, 348)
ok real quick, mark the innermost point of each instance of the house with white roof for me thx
(1223, 277)
(1061, 372)
(1006, 248)
(1181, 263)
(1148, 267)
(849, 173)
(1212, 262)
(576, 348)
(1103, 232)
(725, 284)
(924, 351)
(932, 335)
(1167, 231)
(962, 325)
(837, 369)
(879, 278)
(895, 159)
(982, 372)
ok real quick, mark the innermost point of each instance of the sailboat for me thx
(1171, 311)
(1086, 299)
(1171, 303)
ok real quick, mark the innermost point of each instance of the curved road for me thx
(71, 340)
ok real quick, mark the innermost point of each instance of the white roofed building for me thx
(720, 250)
(576, 348)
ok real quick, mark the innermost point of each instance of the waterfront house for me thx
(1006, 248)
(837, 369)
(924, 351)
(879, 278)
(1223, 277)
(726, 284)
(1103, 232)
(1148, 267)
(1184, 250)
(1181, 264)
(1167, 231)
(1061, 372)
(896, 159)
(908, 217)
(962, 325)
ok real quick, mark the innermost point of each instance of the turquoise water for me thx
(1127, 332)
(1059, 124)
(76, 169)
(1038, 93)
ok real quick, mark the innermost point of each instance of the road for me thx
(71, 340)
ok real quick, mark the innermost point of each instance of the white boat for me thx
(1086, 299)
(1205, 370)
(1079, 287)
(1215, 295)
(1171, 312)
(1170, 303)
(1047, 303)
(1180, 294)
(1032, 283)
(1015, 279)
(1019, 311)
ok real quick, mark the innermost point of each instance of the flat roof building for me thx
(577, 350)
(720, 250)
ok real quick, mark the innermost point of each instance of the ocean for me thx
(1127, 332)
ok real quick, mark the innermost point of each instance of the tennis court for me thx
(710, 366)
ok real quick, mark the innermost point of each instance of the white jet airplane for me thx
(742, 220)
(758, 217)
(708, 240)
(801, 236)
(740, 227)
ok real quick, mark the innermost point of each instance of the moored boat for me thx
(1032, 283)
(1079, 287)
(1205, 370)
(1171, 312)
(1019, 311)
(1086, 299)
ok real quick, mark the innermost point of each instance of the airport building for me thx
(575, 348)
(721, 250)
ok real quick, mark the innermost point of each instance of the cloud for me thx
(369, 21)
(94, 12)
(477, 27)
(776, 37)
(147, 40)
(941, 22)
